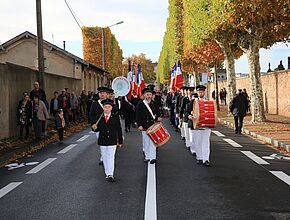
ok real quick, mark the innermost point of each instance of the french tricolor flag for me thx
(140, 81)
(173, 72)
(178, 82)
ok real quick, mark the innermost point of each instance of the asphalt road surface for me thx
(68, 183)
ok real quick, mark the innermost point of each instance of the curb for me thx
(268, 140)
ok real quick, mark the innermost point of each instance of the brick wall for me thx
(276, 90)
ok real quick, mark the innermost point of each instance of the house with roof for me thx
(22, 50)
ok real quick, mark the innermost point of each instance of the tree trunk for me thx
(216, 88)
(230, 69)
(196, 78)
(257, 102)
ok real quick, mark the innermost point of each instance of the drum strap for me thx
(149, 109)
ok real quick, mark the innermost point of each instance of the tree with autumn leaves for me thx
(92, 49)
(147, 67)
(238, 27)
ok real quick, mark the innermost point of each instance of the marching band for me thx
(191, 113)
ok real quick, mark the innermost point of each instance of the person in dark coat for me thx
(96, 110)
(147, 115)
(110, 136)
(54, 104)
(127, 109)
(238, 107)
(24, 115)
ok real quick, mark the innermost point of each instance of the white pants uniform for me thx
(202, 144)
(149, 147)
(97, 135)
(108, 156)
(182, 132)
(186, 133)
(192, 139)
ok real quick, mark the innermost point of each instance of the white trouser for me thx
(202, 144)
(97, 135)
(192, 139)
(182, 134)
(108, 155)
(186, 134)
(149, 147)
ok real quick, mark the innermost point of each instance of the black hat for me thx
(111, 91)
(195, 95)
(146, 90)
(191, 89)
(102, 89)
(201, 88)
(151, 86)
(107, 102)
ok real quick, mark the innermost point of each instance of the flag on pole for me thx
(134, 86)
(140, 81)
(178, 82)
(172, 82)
(129, 78)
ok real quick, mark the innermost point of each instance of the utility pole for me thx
(40, 53)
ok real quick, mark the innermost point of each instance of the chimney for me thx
(64, 44)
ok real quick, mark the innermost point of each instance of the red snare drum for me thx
(205, 114)
(158, 134)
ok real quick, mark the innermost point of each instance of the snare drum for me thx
(158, 134)
(205, 114)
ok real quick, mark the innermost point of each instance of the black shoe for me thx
(126, 130)
(111, 179)
(183, 138)
(194, 154)
(236, 132)
(206, 163)
(146, 160)
(153, 161)
(199, 161)
(101, 163)
(239, 132)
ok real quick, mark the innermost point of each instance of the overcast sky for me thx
(141, 32)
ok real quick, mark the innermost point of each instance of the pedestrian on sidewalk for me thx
(238, 107)
(59, 124)
(146, 115)
(40, 115)
(110, 136)
(54, 104)
(24, 115)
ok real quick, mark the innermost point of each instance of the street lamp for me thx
(103, 42)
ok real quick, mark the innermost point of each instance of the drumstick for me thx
(99, 119)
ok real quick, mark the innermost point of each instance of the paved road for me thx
(68, 183)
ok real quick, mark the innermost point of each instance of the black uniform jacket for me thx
(110, 132)
(188, 111)
(184, 102)
(143, 116)
(95, 113)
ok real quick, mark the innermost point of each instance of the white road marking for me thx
(233, 143)
(41, 166)
(83, 138)
(150, 201)
(268, 158)
(69, 147)
(254, 157)
(217, 133)
(8, 188)
(91, 132)
(282, 176)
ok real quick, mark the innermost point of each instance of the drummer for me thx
(202, 136)
(146, 115)
(183, 116)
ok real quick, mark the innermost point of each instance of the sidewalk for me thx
(275, 131)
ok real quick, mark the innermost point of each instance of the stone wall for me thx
(14, 80)
(276, 90)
